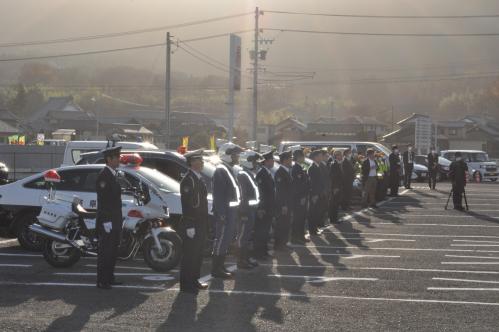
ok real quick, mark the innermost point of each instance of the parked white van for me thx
(74, 149)
(479, 165)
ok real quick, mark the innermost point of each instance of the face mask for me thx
(459, 158)
(396, 151)
(410, 149)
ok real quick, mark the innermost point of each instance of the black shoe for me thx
(244, 265)
(189, 290)
(459, 208)
(217, 269)
(374, 206)
(201, 285)
(253, 262)
(104, 286)
(116, 283)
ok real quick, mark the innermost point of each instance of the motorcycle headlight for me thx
(157, 223)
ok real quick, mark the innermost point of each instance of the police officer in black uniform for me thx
(194, 223)
(266, 207)
(432, 168)
(284, 200)
(457, 175)
(348, 171)
(317, 189)
(109, 218)
(394, 160)
(408, 158)
(301, 189)
(336, 178)
(326, 195)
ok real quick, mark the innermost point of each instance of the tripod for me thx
(465, 199)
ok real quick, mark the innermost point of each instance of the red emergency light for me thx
(52, 176)
(132, 159)
(182, 149)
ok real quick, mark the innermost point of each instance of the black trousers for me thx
(192, 258)
(107, 254)
(408, 174)
(282, 228)
(334, 206)
(262, 233)
(298, 221)
(457, 195)
(316, 214)
(394, 183)
(347, 194)
(432, 178)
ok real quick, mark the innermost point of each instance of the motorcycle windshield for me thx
(162, 181)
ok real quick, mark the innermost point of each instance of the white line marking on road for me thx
(408, 203)
(15, 265)
(459, 256)
(352, 256)
(463, 289)
(116, 274)
(423, 224)
(474, 245)
(9, 241)
(19, 255)
(470, 263)
(468, 280)
(158, 278)
(274, 294)
(419, 235)
(383, 240)
(317, 279)
(475, 241)
(402, 249)
(131, 268)
(208, 277)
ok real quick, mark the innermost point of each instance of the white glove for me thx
(191, 232)
(303, 201)
(108, 226)
(284, 210)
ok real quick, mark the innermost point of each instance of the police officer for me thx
(301, 189)
(250, 198)
(317, 189)
(326, 177)
(457, 175)
(284, 200)
(194, 223)
(226, 201)
(432, 168)
(394, 160)
(109, 218)
(348, 171)
(408, 158)
(266, 207)
(337, 180)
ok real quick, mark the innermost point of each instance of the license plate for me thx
(492, 174)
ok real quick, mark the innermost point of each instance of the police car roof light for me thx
(52, 176)
(131, 159)
(135, 214)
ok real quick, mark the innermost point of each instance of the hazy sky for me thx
(354, 56)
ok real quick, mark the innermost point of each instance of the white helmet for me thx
(247, 158)
(226, 149)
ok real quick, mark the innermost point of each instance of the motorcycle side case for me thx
(55, 215)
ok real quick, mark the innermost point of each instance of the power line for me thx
(347, 33)
(214, 36)
(83, 53)
(121, 34)
(204, 60)
(385, 16)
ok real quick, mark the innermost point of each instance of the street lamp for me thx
(94, 102)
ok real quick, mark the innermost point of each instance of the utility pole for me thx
(167, 91)
(255, 77)
(393, 122)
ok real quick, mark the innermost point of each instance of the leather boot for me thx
(217, 270)
(223, 266)
(243, 260)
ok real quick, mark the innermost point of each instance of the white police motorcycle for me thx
(69, 230)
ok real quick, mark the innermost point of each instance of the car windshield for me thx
(159, 179)
(478, 157)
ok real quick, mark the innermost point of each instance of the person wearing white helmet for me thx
(226, 201)
(250, 198)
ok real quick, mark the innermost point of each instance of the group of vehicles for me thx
(62, 225)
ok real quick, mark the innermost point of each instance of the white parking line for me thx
(468, 280)
(131, 267)
(208, 277)
(474, 245)
(463, 289)
(15, 265)
(431, 203)
(352, 256)
(273, 294)
(475, 241)
(419, 235)
(406, 249)
(19, 255)
(423, 224)
(9, 241)
(116, 274)
(459, 256)
(470, 263)
(316, 279)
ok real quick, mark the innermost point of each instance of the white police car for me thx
(22, 200)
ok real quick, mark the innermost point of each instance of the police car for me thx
(22, 200)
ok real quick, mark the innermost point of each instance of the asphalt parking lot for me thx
(409, 265)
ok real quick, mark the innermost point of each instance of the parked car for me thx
(170, 163)
(4, 173)
(443, 166)
(480, 167)
(22, 200)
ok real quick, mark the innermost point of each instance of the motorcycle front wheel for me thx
(168, 257)
(59, 255)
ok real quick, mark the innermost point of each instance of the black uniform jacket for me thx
(405, 157)
(301, 183)
(348, 172)
(108, 199)
(284, 188)
(336, 176)
(226, 192)
(250, 196)
(432, 161)
(366, 169)
(317, 181)
(266, 187)
(193, 196)
(394, 160)
(457, 173)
